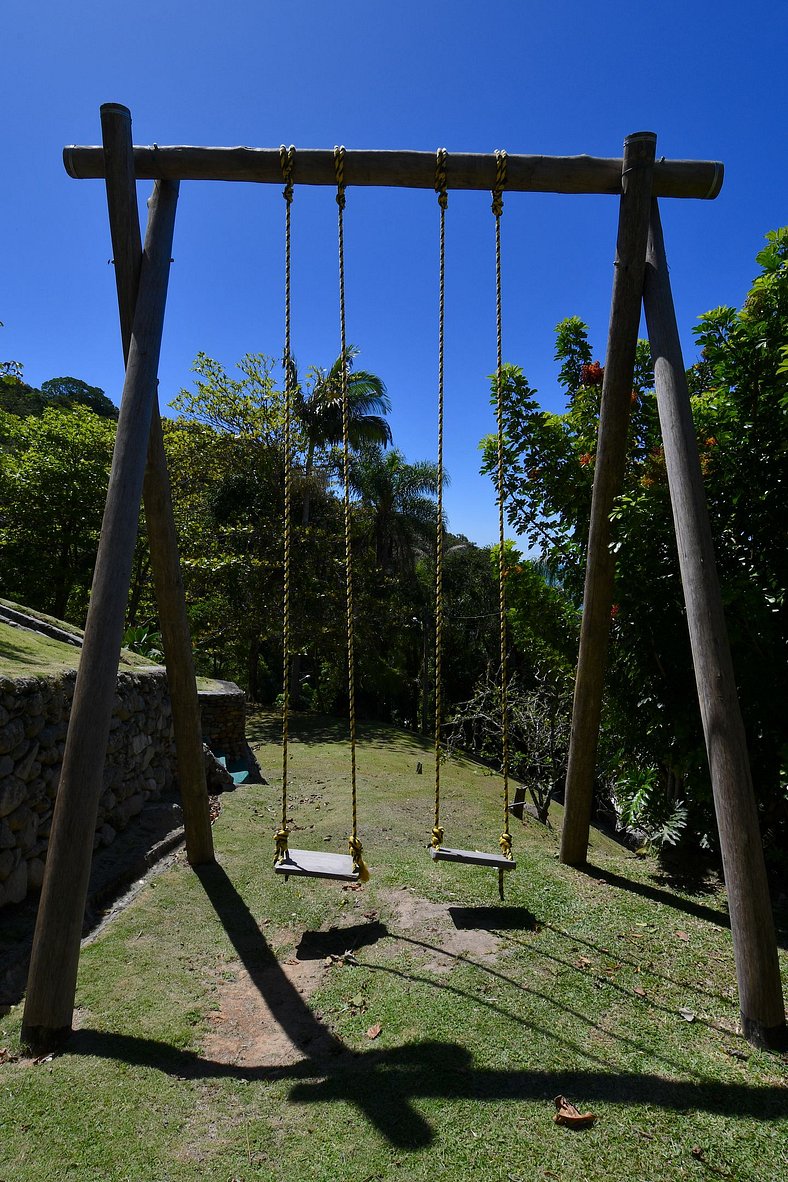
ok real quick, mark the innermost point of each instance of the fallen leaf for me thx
(687, 1014)
(683, 935)
(357, 1001)
(374, 1031)
(697, 1152)
(736, 1054)
(567, 1114)
(292, 960)
(640, 991)
(370, 915)
(582, 962)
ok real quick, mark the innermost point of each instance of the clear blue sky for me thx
(532, 76)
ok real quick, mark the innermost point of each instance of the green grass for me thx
(487, 1010)
(32, 654)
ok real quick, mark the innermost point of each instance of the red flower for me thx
(585, 460)
(614, 610)
(592, 374)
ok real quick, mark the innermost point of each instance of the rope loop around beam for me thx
(287, 160)
(500, 182)
(339, 170)
(441, 159)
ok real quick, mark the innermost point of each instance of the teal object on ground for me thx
(237, 769)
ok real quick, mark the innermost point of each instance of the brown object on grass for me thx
(567, 1114)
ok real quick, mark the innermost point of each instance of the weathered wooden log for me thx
(55, 956)
(608, 477)
(157, 497)
(752, 924)
(531, 174)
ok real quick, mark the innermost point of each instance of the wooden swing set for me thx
(139, 469)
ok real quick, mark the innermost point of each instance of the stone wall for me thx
(33, 720)
(223, 719)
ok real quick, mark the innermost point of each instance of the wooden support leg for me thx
(53, 968)
(608, 476)
(754, 941)
(162, 537)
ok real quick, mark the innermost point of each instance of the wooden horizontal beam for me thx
(415, 170)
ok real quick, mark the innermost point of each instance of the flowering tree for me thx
(653, 741)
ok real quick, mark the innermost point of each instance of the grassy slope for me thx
(473, 1047)
(31, 654)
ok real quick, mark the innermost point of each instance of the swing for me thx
(438, 851)
(316, 863)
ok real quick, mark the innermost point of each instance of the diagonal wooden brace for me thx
(162, 536)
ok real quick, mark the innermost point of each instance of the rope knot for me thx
(357, 854)
(437, 837)
(505, 842)
(287, 160)
(281, 845)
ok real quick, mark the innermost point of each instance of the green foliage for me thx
(398, 505)
(18, 398)
(145, 641)
(740, 409)
(75, 392)
(54, 470)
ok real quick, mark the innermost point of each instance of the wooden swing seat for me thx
(472, 858)
(318, 864)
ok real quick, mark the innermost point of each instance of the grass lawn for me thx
(224, 1034)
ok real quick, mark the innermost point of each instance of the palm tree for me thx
(400, 497)
(318, 410)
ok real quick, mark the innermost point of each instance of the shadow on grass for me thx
(699, 910)
(493, 919)
(336, 941)
(383, 1084)
(313, 729)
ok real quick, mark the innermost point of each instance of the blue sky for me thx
(562, 77)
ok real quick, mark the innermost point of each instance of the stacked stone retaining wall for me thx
(140, 765)
(223, 719)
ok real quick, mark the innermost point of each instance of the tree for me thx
(75, 392)
(54, 470)
(739, 391)
(399, 501)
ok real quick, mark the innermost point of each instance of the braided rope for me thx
(287, 160)
(505, 840)
(436, 839)
(354, 843)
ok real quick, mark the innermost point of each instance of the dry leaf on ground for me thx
(568, 1114)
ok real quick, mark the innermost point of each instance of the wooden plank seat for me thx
(471, 858)
(318, 864)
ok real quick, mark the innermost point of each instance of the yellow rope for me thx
(505, 840)
(436, 839)
(354, 842)
(287, 159)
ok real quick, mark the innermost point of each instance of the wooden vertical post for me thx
(157, 497)
(752, 924)
(53, 967)
(638, 164)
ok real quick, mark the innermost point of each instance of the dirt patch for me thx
(264, 1021)
(431, 927)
